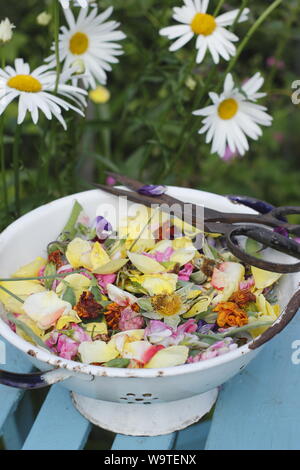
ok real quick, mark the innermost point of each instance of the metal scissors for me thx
(256, 227)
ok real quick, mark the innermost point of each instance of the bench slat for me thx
(10, 397)
(260, 408)
(165, 442)
(194, 437)
(58, 426)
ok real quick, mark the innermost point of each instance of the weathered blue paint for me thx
(194, 437)
(260, 408)
(58, 426)
(9, 397)
(165, 442)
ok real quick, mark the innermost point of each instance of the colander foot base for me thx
(145, 420)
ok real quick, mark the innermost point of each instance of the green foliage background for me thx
(145, 129)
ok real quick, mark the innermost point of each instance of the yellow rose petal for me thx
(31, 269)
(78, 282)
(111, 267)
(99, 257)
(169, 357)
(145, 264)
(97, 351)
(263, 278)
(158, 284)
(21, 289)
(79, 253)
(65, 320)
(96, 328)
(200, 306)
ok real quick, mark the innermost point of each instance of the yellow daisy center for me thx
(79, 43)
(25, 83)
(228, 109)
(203, 24)
(167, 305)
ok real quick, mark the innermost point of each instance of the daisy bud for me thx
(44, 18)
(99, 95)
(78, 66)
(6, 28)
(191, 83)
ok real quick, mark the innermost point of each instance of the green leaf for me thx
(252, 247)
(119, 362)
(95, 290)
(69, 296)
(69, 228)
(27, 330)
(50, 270)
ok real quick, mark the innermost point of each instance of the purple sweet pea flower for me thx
(103, 228)
(152, 190)
(206, 328)
(282, 231)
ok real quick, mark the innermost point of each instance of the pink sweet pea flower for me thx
(62, 345)
(130, 320)
(247, 284)
(185, 273)
(157, 331)
(104, 280)
(161, 256)
(79, 334)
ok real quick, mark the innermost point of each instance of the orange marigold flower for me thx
(242, 297)
(114, 312)
(230, 314)
(87, 307)
(56, 258)
(113, 315)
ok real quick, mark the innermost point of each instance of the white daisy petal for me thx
(210, 31)
(92, 41)
(181, 42)
(35, 91)
(233, 116)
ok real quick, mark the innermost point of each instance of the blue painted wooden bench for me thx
(258, 409)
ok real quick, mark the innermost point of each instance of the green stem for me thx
(191, 125)
(56, 40)
(243, 6)
(11, 294)
(250, 33)
(16, 167)
(281, 45)
(219, 6)
(2, 150)
(3, 166)
(37, 278)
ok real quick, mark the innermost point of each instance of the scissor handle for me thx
(268, 238)
(280, 214)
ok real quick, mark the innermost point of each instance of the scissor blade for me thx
(178, 210)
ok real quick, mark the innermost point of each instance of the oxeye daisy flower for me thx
(35, 92)
(234, 116)
(90, 39)
(210, 31)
